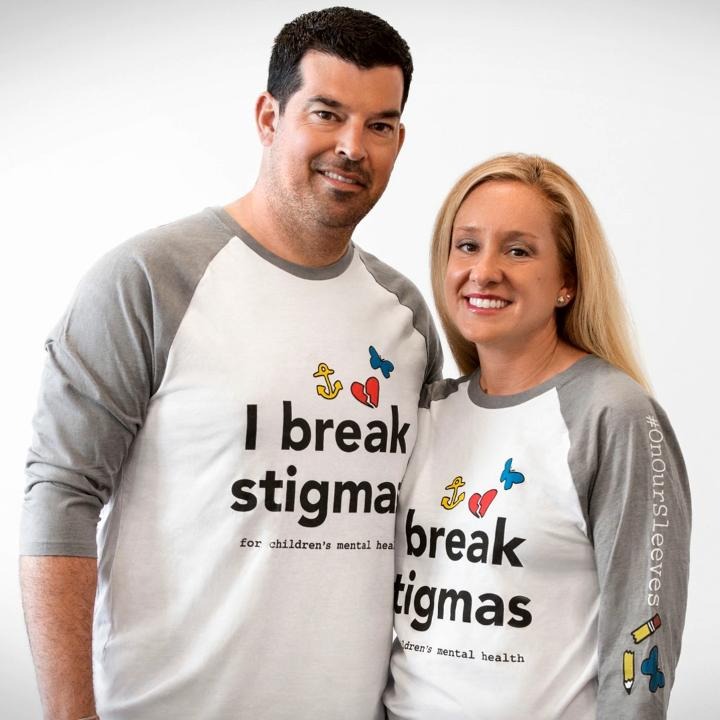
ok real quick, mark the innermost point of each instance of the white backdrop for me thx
(116, 117)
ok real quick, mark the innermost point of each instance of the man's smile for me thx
(347, 180)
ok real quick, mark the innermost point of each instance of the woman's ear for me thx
(563, 299)
(567, 292)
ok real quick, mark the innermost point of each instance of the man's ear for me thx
(401, 137)
(267, 113)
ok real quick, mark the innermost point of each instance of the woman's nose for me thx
(486, 270)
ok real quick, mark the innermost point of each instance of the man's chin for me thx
(341, 220)
(343, 213)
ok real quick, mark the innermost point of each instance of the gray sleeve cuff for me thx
(60, 512)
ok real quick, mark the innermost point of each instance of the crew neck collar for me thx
(302, 271)
(480, 398)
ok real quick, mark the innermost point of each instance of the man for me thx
(237, 391)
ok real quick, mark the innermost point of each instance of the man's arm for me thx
(92, 401)
(105, 360)
(58, 597)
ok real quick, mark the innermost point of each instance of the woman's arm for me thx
(639, 513)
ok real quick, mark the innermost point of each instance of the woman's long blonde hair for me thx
(596, 321)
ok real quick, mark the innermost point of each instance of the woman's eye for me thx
(519, 252)
(466, 246)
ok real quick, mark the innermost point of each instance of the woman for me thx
(544, 521)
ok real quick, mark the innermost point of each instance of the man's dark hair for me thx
(352, 35)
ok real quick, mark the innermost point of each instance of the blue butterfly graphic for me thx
(511, 477)
(650, 667)
(377, 363)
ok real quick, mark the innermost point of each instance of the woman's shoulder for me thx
(598, 389)
(598, 376)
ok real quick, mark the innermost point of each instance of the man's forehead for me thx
(328, 76)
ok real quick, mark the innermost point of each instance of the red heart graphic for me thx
(368, 394)
(479, 504)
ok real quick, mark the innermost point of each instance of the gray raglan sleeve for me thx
(94, 392)
(434, 348)
(638, 511)
(104, 361)
(409, 296)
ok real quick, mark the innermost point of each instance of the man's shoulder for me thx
(409, 296)
(191, 235)
(442, 390)
(183, 246)
(392, 280)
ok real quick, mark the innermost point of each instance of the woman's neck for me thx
(507, 371)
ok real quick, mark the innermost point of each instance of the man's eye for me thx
(323, 114)
(384, 128)
(519, 252)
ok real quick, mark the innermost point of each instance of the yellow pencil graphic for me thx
(646, 629)
(628, 670)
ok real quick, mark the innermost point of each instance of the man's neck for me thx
(291, 241)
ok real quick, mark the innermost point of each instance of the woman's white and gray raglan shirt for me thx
(243, 424)
(541, 554)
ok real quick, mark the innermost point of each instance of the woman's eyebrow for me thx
(509, 235)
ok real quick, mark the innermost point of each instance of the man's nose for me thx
(351, 142)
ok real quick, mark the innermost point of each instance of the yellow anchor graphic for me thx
(330, 390)
(450, 502)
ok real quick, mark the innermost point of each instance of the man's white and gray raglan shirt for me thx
(541, 554)
(243, 424)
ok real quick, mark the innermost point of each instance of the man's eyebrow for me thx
(324, 100)
(383, 114)
(389, 114)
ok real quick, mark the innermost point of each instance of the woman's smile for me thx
(485, 304)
